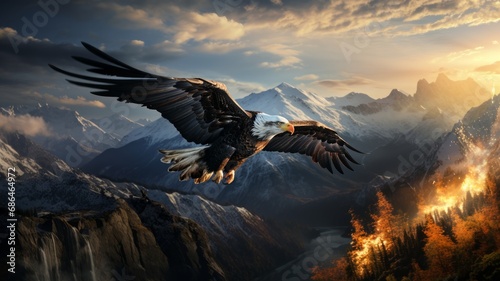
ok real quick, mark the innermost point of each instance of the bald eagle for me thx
(204, 113)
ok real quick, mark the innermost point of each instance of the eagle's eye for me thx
(273, 123)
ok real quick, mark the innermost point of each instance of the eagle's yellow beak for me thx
(287, 127)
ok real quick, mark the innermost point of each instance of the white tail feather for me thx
(188, 162)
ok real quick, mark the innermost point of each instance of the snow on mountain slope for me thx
(10, 158)
(215, 218)
(433, 125)
(117, 125)
(352, 98)
(296, 104)
(479, 127)
(46, 183)
(75, 139)
(68, 123)
(234, 230)
(155, 131)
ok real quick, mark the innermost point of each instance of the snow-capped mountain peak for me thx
(353, 99)
(117, 125)
(293, 104)
(290, 91)
(158, 130)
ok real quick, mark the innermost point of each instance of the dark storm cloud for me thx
(34, 55)
(25, 77)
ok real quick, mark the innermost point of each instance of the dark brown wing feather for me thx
(314, 139)
(200, 109)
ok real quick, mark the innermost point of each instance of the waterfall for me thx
(75, 237)
(92, 268)
(82, 259)
(56, 260)
(49, 258)
(46, 275)
(63, 254)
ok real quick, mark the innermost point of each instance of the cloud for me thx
(220, 47)
(65, 100)
(388, 18)
(19, 53)
(280, 49)
(353, 81)
(240, 88)
(453, 56)
(137, 43)
(25, 124)
(140, 51)
(430, 8)
(178, 21)
(33, 97)
(289, 56)
(491, 68)
(467, 15)
(198, 27)
(79, 101)
(130, 17)
(291, 62)
(307, 77)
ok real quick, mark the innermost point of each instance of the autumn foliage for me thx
(459, 243)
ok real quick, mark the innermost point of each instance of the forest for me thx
(454, 236)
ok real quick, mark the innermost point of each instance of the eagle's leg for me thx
(204, 177)
(219, 174)
(229, 177)
(216, 157)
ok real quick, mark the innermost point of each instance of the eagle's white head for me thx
(266, 126)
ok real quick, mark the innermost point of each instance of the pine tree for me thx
(385, 223)
(438, 250)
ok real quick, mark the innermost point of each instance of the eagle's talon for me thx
(229, 177)
(218, 176)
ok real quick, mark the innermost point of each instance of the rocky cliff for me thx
(138, 240)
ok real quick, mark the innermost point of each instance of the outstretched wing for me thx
(314, 139)
(200, 109)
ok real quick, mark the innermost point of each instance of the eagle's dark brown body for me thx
(235, 146)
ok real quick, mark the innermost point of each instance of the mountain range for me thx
(385, 127)
(72, 137)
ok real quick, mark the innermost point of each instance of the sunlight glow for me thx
(474, 180)
(361, 257)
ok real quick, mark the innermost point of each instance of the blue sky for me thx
(327, 47)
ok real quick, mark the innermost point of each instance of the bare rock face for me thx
(183, 241)
(454, 97)
(143, 242)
